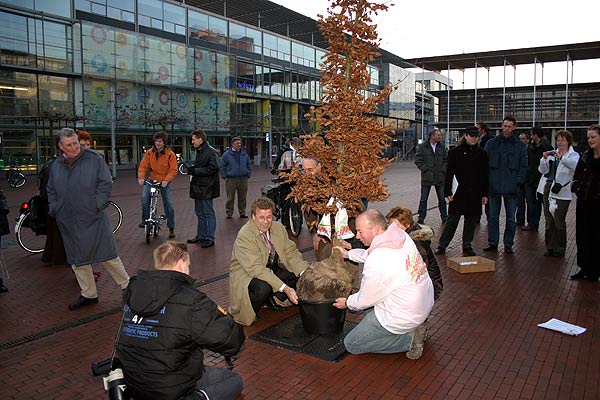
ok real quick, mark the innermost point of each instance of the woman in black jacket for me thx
(586, 185)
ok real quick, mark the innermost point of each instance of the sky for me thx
(442, 27)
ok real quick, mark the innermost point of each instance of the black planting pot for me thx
(321, 317)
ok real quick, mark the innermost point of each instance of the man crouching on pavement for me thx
(166, 324)
(265, 265)
(395, 290)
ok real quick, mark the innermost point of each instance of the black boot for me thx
(3, 289)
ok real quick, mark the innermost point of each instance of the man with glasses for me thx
(79, 188)
(469, 164)
(265, 265)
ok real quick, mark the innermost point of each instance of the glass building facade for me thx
(149, 65)
(582, 107)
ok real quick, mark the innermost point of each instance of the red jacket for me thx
(163, 165)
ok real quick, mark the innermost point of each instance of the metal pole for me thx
(534, 87)
(567, 91)
(113, 145)
(475, 97)
(270, 137)
(423, 103)
(447, 139)
(504, 89)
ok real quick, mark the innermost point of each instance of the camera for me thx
(114, 381)
(115, 385)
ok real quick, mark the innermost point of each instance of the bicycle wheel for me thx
(148, 231)
(295, 218)
(115, 215)
(17, 179)
(183, 170)
(27, 238)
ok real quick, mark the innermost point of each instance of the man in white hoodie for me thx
(395, 290)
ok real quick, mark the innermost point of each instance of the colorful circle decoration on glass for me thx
(181, 99)
(198, 78)
(122, 68)
(163, 73)
(144, 96)
(123, 94)
(163, 97)
(122, 39)
(99, 63)
(181, 76)
(213, 58)
(98, 34)
(99, 93)
(198, 54)
(181, 51)
(229, 82)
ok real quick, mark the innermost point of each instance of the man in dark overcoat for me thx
(204, 187)
(468, 163)
(79, 188)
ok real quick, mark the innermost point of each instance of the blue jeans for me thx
(439, 190)
(510, 208)
(207, 221)
(220, 383)
(370, 337)
(167, 198)
(534, 206)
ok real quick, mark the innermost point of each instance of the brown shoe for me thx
(171, 233)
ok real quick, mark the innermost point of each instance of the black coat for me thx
(470, 166)
(534, 153)
(586, 180)
(166, 324)
(205, 174)
(4, 226)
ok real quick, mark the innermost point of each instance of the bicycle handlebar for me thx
(152, 183)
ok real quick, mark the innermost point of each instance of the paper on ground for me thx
(561, 326)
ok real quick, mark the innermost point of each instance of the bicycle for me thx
(31, 234)
(153, 223)
(287, 210)
(14, 176)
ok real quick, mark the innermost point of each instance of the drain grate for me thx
(58, 328)
(289, 334)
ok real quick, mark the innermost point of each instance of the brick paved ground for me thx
(484, 343)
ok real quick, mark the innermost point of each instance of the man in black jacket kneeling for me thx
(166, 324)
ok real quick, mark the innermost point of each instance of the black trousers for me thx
(260, 291)
(450, 229)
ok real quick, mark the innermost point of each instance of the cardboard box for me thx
(467, 265)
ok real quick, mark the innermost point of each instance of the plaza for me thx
(484, 342)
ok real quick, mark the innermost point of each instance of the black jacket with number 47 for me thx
(166, 324)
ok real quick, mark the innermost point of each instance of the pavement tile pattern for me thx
(483, 340)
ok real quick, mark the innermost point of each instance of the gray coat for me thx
(432, 166)
(77, 196)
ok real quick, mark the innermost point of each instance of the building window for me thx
(160, 15)
(244, 38)
(210, 29)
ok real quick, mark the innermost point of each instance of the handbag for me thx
(557, 187)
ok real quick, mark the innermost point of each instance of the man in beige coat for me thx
(265, 264)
